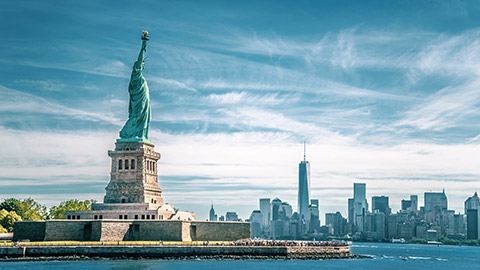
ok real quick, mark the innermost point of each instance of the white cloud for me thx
(241, 167)
(169, 83)
(267, 162)
(447, 108)
(52, 154)
(348, 48)
(96, 66)
(49, 85)
(451, 55)
(345, 52)
(21, 102)
(246, 98)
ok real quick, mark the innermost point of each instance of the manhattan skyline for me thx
(383, 93)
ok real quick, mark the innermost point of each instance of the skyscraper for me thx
(266, 208)
(472, 208)
(231, 216)
(256, 220)
(414, 204)
(314, 213)
(336, 222)
(435, 200)
(276, 204)
(406, 204)
(472, 202)
(473, 224)
(410, 205)
(436, 208)
(381, 204)
(304, 187)
(359, 205)
(212, 216)
(287, 210)
(350, 211)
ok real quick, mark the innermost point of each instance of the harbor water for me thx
(382, 256)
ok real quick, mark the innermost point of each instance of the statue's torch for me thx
(145, 35)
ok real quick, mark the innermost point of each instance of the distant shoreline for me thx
(446, 243)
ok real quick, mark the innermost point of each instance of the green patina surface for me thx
(136, 127)
(144, 140)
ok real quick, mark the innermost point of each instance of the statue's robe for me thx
(139, 115)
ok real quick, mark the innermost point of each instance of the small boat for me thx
(398, 241)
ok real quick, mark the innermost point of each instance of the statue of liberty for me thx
(136, 127)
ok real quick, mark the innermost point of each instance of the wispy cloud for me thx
(49, 85)
(169, 83)
(252, 117)
(451, 55)
(449, 107)
(246, 98)
(348, 48)
(14, 101)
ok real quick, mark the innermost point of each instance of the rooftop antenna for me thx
(304, 151)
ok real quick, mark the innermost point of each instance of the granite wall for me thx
(164, 230)
(219, 231)
(130, 230)
(32, 230)
(63, 230)
(113, 231)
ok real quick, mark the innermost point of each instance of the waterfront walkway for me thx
(246, 243)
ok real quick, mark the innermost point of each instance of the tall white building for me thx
(256, 220)
(276, 208)
(435, 200)
(360, 205)
(472, 209)
(472, 202)
(266, 209)
(287, 209)
(314, 213)
(304, 187)
(212, 216)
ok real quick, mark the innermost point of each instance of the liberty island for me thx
(133, 208)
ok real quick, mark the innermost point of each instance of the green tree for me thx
(9, 204)
(3, 213)
(7, 219)
(27, 209)
(58, 212)
(3, 230)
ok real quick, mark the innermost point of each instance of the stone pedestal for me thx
(133, 177)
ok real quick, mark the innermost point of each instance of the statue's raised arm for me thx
(136, 127)
(145, 37)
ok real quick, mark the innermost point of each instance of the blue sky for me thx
(384, 92)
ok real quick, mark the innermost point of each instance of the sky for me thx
(385, 93)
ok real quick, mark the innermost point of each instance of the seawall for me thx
(130, 230)
(323, 252)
